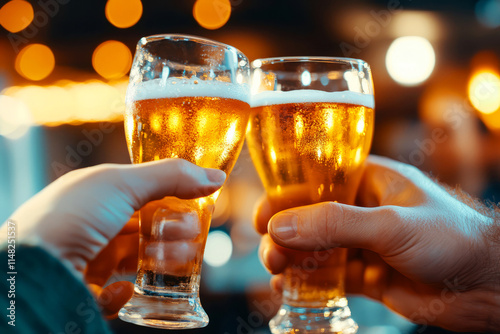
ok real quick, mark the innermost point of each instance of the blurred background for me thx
(64, 69)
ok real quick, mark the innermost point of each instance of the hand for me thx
(81, 213)
(432, 256)
(118, 257)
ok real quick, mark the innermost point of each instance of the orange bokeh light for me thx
(35, 62)
(484, 91)
(112, 59)
(492, 121)
(123, 13)
(64, 102)
(16, 15)
(212, 14)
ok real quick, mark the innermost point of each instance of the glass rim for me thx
(179, 37)
(303, 59)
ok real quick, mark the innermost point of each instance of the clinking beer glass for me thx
(310, 131)
(187, 98)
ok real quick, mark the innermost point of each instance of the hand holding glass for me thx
(309, 133)
(188, 99)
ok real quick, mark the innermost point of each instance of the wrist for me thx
(58, 239)
(60, 254)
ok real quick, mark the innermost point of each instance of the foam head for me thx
(267, 98)
(178, 87)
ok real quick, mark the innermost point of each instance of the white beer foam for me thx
(175, 87)
(268, 98)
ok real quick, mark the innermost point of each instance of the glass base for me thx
(173, 311)
(294, 320)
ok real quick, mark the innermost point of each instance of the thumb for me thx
(327, 225)
(170, 177)
(112, 298)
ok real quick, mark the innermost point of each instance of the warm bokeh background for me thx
(63, 76)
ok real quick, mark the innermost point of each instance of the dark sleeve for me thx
(44, 296)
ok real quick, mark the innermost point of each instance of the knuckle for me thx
(393, 216)
(398, 228)
(186, 181)
(183, 168)
(390, 213)
(334, 218)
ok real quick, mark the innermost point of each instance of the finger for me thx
(271, 256)
(129, 264)
(132, 225)
(354, 276)
(277, 283)
(149, 181)
(261, 214)
(376, 275)
(111, 298)
(109, 260)
(389, 182)
(327, 225)
(129, 254)
(100, 269)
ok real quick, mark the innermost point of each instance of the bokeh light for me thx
(484, 91)
(67, 102)
(488, 13)
(492, 121)
(305, 78)
(410, 60)
(16, 15)
(219, 249)
(212, 14)
(415, 23)
(123, 13)
(35, 62)
(112, 59)
(15, 118)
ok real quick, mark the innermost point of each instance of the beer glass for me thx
(310, 131)
(187, 98)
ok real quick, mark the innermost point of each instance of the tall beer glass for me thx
(310, 131)
(187, 98)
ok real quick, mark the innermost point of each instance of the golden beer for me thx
(306, 153)
(207, 131)
(187, 98)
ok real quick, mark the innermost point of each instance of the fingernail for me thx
(284, 226)
(215, 175)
